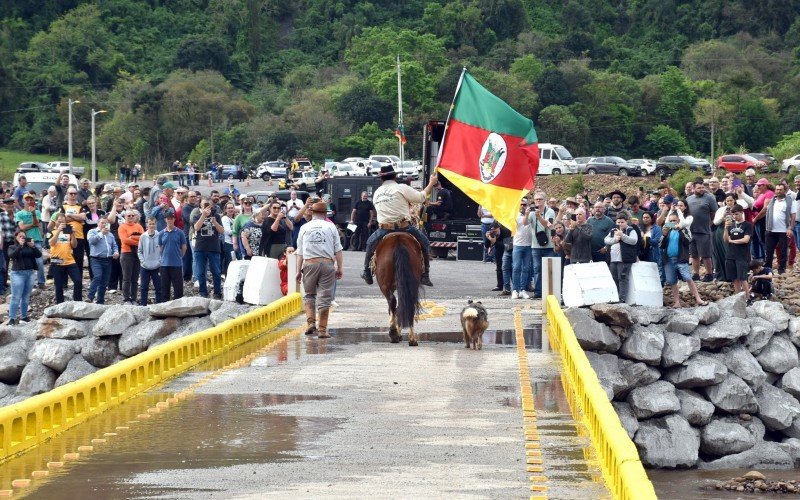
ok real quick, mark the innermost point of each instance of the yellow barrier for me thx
(39, 418)
(619, 460)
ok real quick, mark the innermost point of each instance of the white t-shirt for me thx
(293, 207)
(522, 238)
(779, 215)
(392, 202)
(318, 238)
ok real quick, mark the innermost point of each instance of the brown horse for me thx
(398, 267)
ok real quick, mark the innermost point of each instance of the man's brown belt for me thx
(317, 260)
(395, 225)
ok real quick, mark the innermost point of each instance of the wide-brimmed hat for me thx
(616, 191)
(571, 200)
(320, 207)
(387, 170)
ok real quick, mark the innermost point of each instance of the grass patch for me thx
(10, 160)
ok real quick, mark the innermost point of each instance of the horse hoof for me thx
(395, 340)
(413, 343)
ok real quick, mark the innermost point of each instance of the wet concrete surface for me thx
(699, 484)
(351, 416)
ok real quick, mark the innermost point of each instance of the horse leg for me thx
(412, 337)
(394, 332)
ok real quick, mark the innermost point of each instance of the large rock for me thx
(694, 408)
(761, 331)
(754, 425)
(637, 374)
(613, 314)
(794, 331)
(77, 368)
(138, 339)
(698, 371)
(187, 326)
(739, 361)
(645, 315)
(734, 306)
(181, 308)
(592, 335)
(732, 395)
(682, 322)
(100, 351)
(119, 318)
(228, 310)
(791, 382)
(654, 400)
(777, 408)
(724, 332)
(60, 328)
(75, 310)
(764, 455)
(779, 356)
(53, 353)
(36, 379)
(773, 312)
(6, 390)
(644, 344)
(668, 442)
(792, 447)
(720, 438)
(793, 431)
(13, 359)
(626, 418)
(678, 348)
(707, 314)
(606, 366)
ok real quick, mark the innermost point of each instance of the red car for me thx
(738, 163)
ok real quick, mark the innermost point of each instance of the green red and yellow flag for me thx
(400, 133)
(489, 151)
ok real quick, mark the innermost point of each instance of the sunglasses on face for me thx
(246, 203)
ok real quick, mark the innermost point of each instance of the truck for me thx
(464, 222)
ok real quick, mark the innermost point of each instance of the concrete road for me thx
(352, 416)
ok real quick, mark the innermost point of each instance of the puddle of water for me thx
(699, 484)
(533, 336)
(207, 441)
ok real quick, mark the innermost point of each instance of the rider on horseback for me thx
(392, 202)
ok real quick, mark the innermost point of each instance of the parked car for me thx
(668, 165)
(33, 166)
(232, 172)
(341, 169)
(771, 164)
(270, 170)
(63, 167)
(555, 159)
(612, 165)
(301, 180)
(41, 181)
(788, 163)
(738, 163)
(648, 166)
(582, 161)
(261, 197)
(408, 170)
(386, 160)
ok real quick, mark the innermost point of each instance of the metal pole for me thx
(400, 113)
(69, 135)
(94, 159)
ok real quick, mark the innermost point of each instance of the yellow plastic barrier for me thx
(619, 460)
(38, 418)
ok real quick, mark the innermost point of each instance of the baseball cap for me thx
(762, 182)
(169, 213)
(669, 198)
(168, 185)
(242, 196)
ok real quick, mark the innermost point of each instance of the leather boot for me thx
(366, 275)
(323, 324)
(311, 318)
(425, 279)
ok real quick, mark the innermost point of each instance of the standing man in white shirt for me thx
(781, 215)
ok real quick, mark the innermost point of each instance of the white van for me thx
(41, 181)
(554, 159)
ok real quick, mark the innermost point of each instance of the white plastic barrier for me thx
(262, 284)
(587, 284)
(644, 285)
(291, 268)
(551, 279)
(234, 279)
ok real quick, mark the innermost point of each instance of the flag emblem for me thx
(493, 157)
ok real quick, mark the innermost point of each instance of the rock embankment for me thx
(714, 387)
(74, 339)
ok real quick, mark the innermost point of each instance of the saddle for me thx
(373, 265)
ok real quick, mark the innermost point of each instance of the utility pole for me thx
(94, 159)
(70, 102)
(211, 119)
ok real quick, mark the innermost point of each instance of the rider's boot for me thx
(311, 315)
(425, 279)
(323, 324)
(366, 275)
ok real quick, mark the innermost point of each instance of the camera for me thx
(573, 217)
(67, 229)
(28, 239)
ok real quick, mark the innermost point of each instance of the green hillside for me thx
(262, 79)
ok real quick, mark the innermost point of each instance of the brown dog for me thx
(474, 321)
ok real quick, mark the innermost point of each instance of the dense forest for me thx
(252, 80)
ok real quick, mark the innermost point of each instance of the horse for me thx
(398, 268)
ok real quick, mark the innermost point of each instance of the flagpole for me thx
(449, 113)
(400, 112)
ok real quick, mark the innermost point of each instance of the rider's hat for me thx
(387, 170)
(320, 207)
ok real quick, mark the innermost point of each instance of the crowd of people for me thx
(732, 229)
(144, 242)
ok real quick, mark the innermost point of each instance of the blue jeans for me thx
(188, 264)
(537, 255)
(227, 248)
(797, 234)
(101, 273)
(40, 264)
(21, 287)
(373, 240)
(507, 262)
(484, 229)
(145, 276)
(520, 268)
(202, 261)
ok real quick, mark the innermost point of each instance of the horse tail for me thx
(407, 287)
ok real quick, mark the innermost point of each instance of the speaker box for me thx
(469, 250)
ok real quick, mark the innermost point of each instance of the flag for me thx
(489, 151)
(400, 133)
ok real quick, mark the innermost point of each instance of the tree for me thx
(360, 105)
(558, 125)
(713, 114)
(552, 88)
(665, 140)
(787, 147)
(755, 124)
(363, 142)
(677, 99)
(200, 52)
